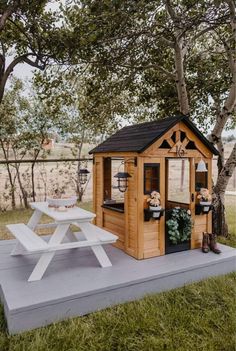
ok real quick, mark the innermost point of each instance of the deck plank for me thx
(75, 284)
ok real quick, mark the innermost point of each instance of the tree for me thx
(68, 92)
(149, 48)
(25, 124)
(12, 110)
(30, 33)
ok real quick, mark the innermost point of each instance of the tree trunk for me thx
(17, 168)
(180, 78)
(32, 181)
(225, 170)
(79, 186)
(23, 192)
(12, 182)
(220, 226)
(32, 174)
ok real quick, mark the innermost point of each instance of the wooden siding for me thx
(115, 223)
(152, 236)
(200, 226)
(203, 222)
(98, 190)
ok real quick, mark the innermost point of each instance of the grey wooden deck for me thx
(75, 284)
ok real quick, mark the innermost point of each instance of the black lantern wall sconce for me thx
(83, 175)
(122, 177)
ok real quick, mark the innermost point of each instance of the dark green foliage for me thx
(179, 225)
(130, 46)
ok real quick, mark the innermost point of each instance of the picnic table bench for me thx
(29, 242)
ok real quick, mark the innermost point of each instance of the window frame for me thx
(167, 181)
(205, 174)
(157, 166)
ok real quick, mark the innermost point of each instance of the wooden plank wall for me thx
(202, 222)
(115, 222)
(98, 190)
(131, 231)
(153, 231)
(200, 226)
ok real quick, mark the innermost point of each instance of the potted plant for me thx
(205, 198)
(154, 204)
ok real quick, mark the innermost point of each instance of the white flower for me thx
(154, 199)
(189, 212)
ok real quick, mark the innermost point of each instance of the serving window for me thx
(112, 197)
(151, 177)
(201, 179)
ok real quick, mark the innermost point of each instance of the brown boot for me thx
(213, 244)
(205, 242)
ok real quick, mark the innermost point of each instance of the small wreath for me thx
(179, 225)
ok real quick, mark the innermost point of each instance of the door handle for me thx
(192, 197)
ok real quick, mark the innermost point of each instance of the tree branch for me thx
(9, 11)
(226, 172)
(35, 63)
(171, 12)
(10, 68)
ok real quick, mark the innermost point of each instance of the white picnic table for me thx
(29, 242)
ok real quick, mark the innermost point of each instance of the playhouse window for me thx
(151, 177)
(178, 181)
(112, 197)
(201, 179)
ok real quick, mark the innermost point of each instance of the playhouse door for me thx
(179, 193)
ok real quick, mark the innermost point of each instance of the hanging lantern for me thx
(122, 179)
(201, 167)
(83, 175)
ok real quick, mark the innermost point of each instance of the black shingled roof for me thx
(138, 137)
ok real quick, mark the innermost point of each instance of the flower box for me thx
(206, 206)
(155, 212)
(203, 207)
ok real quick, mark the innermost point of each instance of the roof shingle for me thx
(138, 137)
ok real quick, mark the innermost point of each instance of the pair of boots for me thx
(209, 243)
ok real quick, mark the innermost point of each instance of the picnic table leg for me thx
(71, 236)
(34, 219)
(18, 249)
(46, 258)
(98, 250)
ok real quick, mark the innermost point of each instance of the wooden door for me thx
(179, 193)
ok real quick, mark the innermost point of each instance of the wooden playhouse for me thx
(163, 156)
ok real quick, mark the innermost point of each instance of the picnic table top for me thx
(71, 214)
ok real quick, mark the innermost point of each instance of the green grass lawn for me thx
(200, 316)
